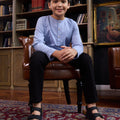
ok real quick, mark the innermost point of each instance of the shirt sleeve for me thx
(76, 40)
(39, 42)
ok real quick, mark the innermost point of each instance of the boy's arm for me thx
(39, 43)
(77, 41)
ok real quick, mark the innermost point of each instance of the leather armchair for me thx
(114, 67)
(55, 70)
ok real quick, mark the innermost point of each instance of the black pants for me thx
(39, 60)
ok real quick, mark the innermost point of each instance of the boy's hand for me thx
(66, 54)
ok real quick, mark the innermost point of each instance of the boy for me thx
(52, 38)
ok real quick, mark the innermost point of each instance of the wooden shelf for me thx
(83, 25)
(107, 44)
(2, 2)
(73, 9)
(7, 17)
(88, 43)
(35, 14)
(6, 32)
(30, 29)
(16, 47)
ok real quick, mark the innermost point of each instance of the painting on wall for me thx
(107, 23)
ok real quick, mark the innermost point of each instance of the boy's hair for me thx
(50, 0)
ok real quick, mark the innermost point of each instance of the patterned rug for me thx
(17, 110)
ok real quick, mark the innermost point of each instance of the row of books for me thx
(21, 24)
(5, 26)
(38, 5)
(43, 4)
(7, 42)
(82, 18)
(5, 9)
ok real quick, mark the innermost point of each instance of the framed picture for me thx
(107, 23)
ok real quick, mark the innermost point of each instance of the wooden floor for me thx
(106, 99)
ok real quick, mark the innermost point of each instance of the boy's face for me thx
(59, 8)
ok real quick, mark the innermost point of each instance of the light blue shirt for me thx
(51, 34)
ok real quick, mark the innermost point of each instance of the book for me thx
(85, 19)
(4, 10)
(82, 18)
(8, 26)
(21, 24)
(34, 5)
(7, 42)
(79, 18)
(2, 7)
(38, 5)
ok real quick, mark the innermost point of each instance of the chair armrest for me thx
(27, 46)
(28, 50)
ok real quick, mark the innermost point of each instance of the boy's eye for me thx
(63, 1)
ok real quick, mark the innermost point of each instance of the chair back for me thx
(114, 67)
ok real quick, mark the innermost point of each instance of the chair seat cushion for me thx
(52, 65)
(55, 70)
(58, 65)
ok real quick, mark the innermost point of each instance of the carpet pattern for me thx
(17, 110)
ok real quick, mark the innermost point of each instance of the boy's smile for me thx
(59, 8)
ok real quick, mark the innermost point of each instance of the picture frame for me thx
(107, 23)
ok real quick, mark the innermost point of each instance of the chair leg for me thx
(66, 89)
(79, 95)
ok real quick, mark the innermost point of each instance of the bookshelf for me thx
(19, 12)
(5, 21)
(11, 76)
(82, 8)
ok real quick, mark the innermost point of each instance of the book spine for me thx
(43, 4)
(34, 5)
(8, 26)
(5, 42)
(39, 5)
(82, 18)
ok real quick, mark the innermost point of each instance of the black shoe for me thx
(32, 116)
(90, 115)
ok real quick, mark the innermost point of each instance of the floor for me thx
(106, 98)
